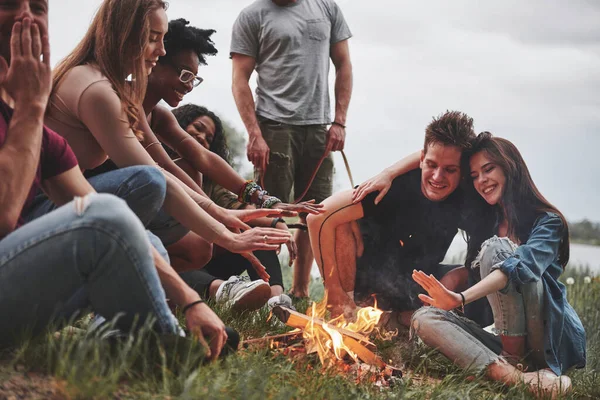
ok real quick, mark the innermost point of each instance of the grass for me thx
(84, 364)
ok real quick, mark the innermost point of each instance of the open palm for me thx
(439, 295)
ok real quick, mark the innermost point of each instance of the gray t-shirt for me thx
(291, 45)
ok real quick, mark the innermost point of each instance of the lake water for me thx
(582, 255)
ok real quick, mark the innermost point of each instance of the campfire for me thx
(339, 343)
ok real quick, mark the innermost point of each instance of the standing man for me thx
(289, 43)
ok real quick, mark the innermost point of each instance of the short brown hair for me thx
(453, 128)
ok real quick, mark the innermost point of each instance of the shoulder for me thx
(331, 7)
(162, 116)
(82, 76)
(251, 12)
(549, 218)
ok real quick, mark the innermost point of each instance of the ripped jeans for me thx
(93, 243)
(517, 312)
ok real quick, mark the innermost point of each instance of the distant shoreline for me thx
(593, 242)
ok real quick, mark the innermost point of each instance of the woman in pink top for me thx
(95, 103)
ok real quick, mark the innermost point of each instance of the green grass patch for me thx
(83, 364)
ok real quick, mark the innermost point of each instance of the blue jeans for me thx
(144, 189)
(517, 312)
(93, 243)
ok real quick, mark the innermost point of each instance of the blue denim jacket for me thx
(564, 336)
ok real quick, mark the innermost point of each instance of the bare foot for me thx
(545, 383)
(338, 302)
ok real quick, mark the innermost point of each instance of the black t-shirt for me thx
(415, 231)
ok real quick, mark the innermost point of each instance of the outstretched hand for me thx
(28, 79)
(439, 295)
(309, 207)
(380, 182)
(237, 218)
(257, 239)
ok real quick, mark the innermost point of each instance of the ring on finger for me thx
(266, 238)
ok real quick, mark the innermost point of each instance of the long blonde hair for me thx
(115, 42)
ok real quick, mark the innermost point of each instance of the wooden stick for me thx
(298, 320)
(352, 340)
(295, 332)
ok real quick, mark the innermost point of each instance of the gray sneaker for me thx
(282, 300)
(241, 294)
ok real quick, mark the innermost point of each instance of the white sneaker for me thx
(241, 294)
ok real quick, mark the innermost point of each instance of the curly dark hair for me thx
(184, 37)
(188, 113)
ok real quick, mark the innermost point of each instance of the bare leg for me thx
(276, 290)
(213, 287)
(190, 252)
(345, 255)
(302, 265)
(456, 280)
(322, 229)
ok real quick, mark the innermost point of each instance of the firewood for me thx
(298, 320)
(352, 340)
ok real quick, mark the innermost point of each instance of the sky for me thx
(525, 71)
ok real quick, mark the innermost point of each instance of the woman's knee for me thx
(151, 179)
(111, 213)
(424, 320)
(493, 252)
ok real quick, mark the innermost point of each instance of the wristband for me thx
(462, 306)
(276, 221)
(338, 124)
(270, 202)
(192, 304)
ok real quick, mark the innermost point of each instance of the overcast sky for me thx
(527, 71)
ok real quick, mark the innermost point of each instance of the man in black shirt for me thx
(411, 228)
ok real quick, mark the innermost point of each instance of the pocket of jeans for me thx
(318, 29)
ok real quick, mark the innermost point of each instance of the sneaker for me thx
(283, 300)
(241, 294)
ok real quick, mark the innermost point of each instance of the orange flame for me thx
(328, 341)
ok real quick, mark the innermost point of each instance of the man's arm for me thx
(258, 150)
(340, 55)
(19, 158)
(28, 82)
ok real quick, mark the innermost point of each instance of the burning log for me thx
(352, 340)
(298, 320)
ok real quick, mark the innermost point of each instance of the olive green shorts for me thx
(295, 151)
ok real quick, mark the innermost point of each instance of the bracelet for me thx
(276, 221)
(338, 124)
(190, 305)
(270, 202)
(247, 192)
(462, 306)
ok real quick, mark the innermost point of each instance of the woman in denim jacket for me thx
(519, 268)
